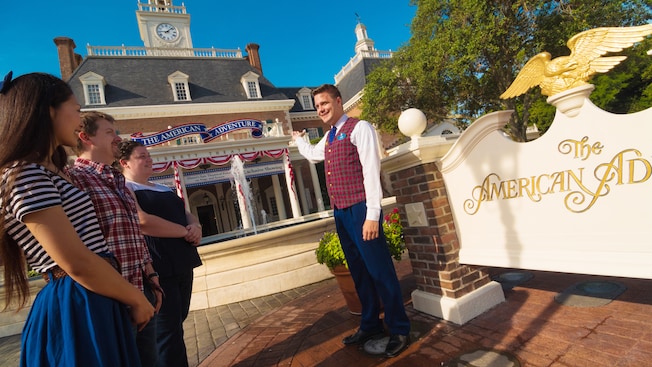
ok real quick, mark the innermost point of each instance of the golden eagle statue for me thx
(566, 72)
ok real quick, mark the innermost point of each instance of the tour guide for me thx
(352, 167)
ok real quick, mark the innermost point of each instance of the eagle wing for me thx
(587, 47)
(530, 76)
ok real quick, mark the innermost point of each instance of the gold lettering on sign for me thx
(619, 169)
(493, 188)
(625, 168)
(581, 148)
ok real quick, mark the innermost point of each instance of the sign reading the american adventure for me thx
(207, 134)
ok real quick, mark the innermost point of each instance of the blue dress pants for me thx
(373, 272)
(169, 321)
(146, 338)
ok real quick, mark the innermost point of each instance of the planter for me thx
(347, 286)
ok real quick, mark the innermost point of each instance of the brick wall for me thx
(434, 249)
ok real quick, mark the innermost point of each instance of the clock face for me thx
(167, 32)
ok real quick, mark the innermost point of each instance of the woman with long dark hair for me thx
(80, 317)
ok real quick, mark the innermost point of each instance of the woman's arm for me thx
(156, 226)
(53, 230)
(194, 229)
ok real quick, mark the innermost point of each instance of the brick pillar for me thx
(445, 288)
(68, 61)
(434, 249)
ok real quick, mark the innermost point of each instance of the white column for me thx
(316, 187)
(256, 200)
(302, 192)
(292, 190)
(278, 196)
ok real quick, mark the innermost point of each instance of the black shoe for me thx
(361, 336)
(397, 344)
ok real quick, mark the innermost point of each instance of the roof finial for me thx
(357, 17)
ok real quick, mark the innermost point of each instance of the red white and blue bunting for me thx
(218, 160)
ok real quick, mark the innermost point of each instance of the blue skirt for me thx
(69, 325)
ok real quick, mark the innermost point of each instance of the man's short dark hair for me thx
(327, 88)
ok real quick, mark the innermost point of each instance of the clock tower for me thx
(163, 25)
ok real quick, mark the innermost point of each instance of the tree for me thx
(628, 87)
(464, 53)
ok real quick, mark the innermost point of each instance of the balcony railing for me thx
(158, 8)
(136, 51)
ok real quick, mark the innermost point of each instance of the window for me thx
(306, 101)
(305, 98)
(314, 132)
(180, 89)
(93, 88)
(94, 95)
(251, 86)
(253, 90)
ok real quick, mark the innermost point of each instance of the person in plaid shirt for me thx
(119, 216)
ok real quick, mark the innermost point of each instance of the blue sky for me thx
(302, 43)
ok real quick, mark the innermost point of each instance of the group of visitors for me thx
(117, 251)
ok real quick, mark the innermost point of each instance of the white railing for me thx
(373, 54)
(131, 51)
(162, 8)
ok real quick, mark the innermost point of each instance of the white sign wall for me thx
(578, 199)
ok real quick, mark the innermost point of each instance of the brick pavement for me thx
(204, 330)
(529, 329)
(304, 327)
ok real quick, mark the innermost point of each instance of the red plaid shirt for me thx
(116, 212)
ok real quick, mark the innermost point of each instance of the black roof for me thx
(139, 81)
(356, 79)
(291, 92)
(352, 83)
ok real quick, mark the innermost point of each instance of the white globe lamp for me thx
(412, 122)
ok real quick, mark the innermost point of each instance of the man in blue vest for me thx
(352, 167)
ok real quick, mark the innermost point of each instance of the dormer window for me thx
(251, 86)
(179, 83)
(305, 98)
(93, 88)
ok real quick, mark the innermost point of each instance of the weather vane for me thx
(566, 72)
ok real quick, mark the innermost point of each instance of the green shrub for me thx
(329, 252)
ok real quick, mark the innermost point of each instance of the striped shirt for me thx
(116, 210)
(36, 188)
